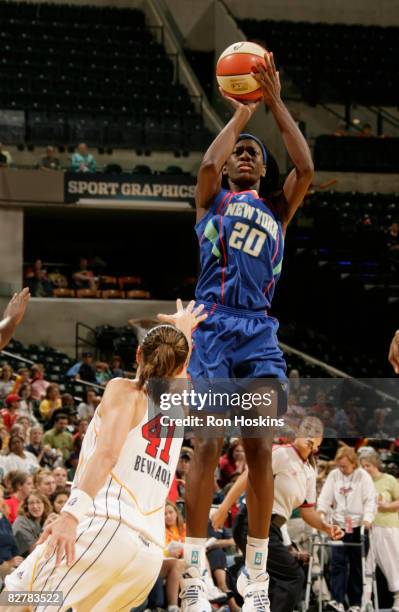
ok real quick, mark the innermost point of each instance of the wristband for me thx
(78, 504)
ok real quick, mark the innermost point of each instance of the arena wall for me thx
(53, 321)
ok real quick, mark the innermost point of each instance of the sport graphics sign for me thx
(158, 188)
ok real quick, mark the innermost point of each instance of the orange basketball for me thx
(234, 67)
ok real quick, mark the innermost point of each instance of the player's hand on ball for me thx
(60, 537)
(246, 107)
(269, 80)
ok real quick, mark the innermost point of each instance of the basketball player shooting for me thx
(105, 551)
(241, 236)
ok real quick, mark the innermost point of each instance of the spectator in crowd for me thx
(376, 427)
(49, 161)
(341, 129)
(232, 462)
(51, 402)
(10, 412)
(386, 524)
(5, 156)
(393, 237)
(87, 371)
(38, 284)
(38, 383)
(18, 458)
(349, 494)
(6, 381)
(61, 477)
(30, 520)
(183, 466)
(37, 267)
(82, 160)
(77, 438)
(21, 487)
(12, 317)
(366, 131)
(26, 404)
(86, 409)
(9, 558)
(73, 464)
(21, 378)
(84, 278)
(24, 423)
(59, 437)
(103, 373)
(44, 482)
(58, 280)
(45, 455)
(58, 499)
(116, 367)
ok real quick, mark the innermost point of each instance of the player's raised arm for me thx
(13, 316)
(210, 172)
(298, 181)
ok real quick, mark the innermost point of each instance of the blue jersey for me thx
(241, 247)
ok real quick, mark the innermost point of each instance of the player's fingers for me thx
(267, 62)
(50, 549)
(190, 306)
(70, 552)
(59, 552)
(273, 65)
(164, 318)
(179, 305)
(198, 309)
(201, 318)
(43, 536)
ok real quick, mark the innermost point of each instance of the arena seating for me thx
(356, 154)
(89, 73)
(338, 266)
(333, 63)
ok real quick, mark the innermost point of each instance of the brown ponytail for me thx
(164, 351)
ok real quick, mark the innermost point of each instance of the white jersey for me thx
(137, 488)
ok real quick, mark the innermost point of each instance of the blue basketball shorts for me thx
(238, 344)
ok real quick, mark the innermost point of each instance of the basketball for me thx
(234, 67)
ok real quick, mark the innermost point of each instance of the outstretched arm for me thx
(219, 517)
(13, 315)
(210, 173)
(297, 183)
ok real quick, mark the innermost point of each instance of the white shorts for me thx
(384, 543)
(114, 570)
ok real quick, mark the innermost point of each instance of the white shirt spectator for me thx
(28, 464)
(352, 496)
(86, 411)
(294, 481)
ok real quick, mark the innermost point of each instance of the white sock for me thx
(256, 556)
(194, 553)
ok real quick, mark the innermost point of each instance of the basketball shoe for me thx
(255, 593)
(193, 593)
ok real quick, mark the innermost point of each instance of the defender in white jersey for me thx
(105, 551)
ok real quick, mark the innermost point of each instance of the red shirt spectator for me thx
(10, 413)
(231, 463)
